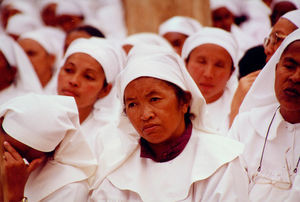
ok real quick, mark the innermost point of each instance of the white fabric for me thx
(180, 24)
(73, 160)
(293, 16)
(147, 38)
(283, 145)
(22, 23)
(231, 5)
(262, 91)
(202, 172)
(106, 53)
(25, 7)
(214, 36)
(69, 7)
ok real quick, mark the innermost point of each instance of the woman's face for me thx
(281, 29)
(210, 66)
(154, 110)
(81, 77)
(223, 18)
(40, 59)
(287, 80)
(176, 40)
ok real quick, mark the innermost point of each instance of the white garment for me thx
(293, 16)
(202, 172)
(283, 145)
(180, 24)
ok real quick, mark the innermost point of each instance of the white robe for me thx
(283, 146)
(208, 169)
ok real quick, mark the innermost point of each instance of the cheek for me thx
(195, 70)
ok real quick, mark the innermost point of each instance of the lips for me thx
(69, 93)
(150, 128)
(292, 92)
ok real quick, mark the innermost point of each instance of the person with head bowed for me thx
(177, 158)
(210, 57)
(269, 124)
(44, 156)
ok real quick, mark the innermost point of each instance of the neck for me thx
(214, 98)
(45, 77)
(84, 113)
(290, 116)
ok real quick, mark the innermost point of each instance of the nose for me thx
(269, 50)
(146, 113)
(74, 80)
(295, 77)
(208, 71)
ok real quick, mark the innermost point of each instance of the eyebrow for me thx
(290, 59)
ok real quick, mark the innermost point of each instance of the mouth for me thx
(69, 93)
(292, 92)
(150, 128)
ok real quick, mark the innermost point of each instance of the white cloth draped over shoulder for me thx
(180, 24)
(73, 161)
(26, 80)
(205, 167)
(219, 110)
(282, 147)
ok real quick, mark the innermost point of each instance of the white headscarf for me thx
(214, 36)
(262, 91)
(147, 38)
(180, 24)
(164, 64)
(231, 5)
(69, 7)
(107, 54)
(59, 131)
(51, 39)
(22, 23)
(293, 16)
(26, 7)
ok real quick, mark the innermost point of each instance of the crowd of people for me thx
(188, 113)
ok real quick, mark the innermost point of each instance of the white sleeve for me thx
(74, 192)
(229, 183)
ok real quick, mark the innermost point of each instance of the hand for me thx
(16, 173)
(244, 86)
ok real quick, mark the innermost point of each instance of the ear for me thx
(187, 102)
(105, 91)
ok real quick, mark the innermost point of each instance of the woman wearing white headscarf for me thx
(44, 48)
(213, 71)
(177, 29)
(59, 160)
(23, 79)
(177, 158)
(268, 124)
(145, 38)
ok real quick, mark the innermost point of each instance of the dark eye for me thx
(31, 53)
(89, 77)
(154, 99)
(219, 64)
(68, 70)
(131, 105)
(201, 61)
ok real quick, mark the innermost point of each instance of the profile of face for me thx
(48, 14)
(7, 12)
(83, 78)
(25, 151)
(287, 80)
(154, 109)
(68, 22)
(176, 40)
(210, 66)
(281, 29)
(73, 35)
(222, 18)
(7, 72)
(40, 59)
(280, 9)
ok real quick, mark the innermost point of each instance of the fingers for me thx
(13, 153)
(36, 163)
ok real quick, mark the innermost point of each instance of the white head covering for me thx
(293, 16)
(50, 38)
(211, 35)
(164, 64)
(22, 23)
(262, 91)
(26, 7)
(231, 5)
(26, 79)
(180, 24)
(58, 131)
(147, 38)
(106, 53)
(69, 7)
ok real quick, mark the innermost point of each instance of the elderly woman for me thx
(58, 161)
(177, 29)
(210, 57)
(268, 124)
(177, 158)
